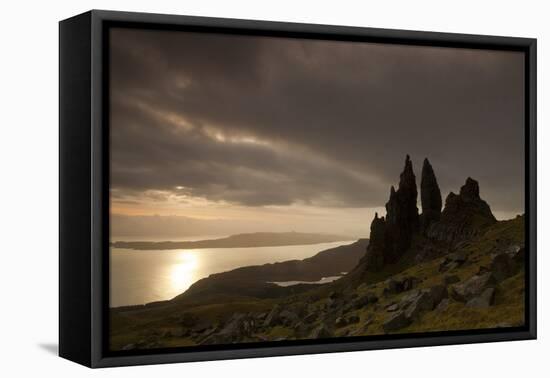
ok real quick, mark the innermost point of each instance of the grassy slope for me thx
(508, 309)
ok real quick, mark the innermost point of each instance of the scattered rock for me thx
(452, 261)
(238, 328)
(484, 300)
(272, 318)
(442, 306)
(392, 307)
(368, 322)
(472, 287)
(321, 332)
(423, 302)
(396, 321)
(341, 322)
(364, 300)
(396, 286)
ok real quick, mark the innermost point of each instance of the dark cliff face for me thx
(430, 196)
(402, 214)
(374, 258)
(391, 237)
(464, 216)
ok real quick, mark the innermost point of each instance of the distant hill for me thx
(249, 240)
(254, 281)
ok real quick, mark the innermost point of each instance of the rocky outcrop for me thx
(430, 196)
(464, 216)
(376, 250)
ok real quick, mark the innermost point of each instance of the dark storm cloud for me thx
(261, 121)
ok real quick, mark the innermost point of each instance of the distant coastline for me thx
(246, 240)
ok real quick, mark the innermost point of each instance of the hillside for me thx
(256, 281)
(449, 268)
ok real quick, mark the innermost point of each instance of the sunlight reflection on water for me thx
(139, 277)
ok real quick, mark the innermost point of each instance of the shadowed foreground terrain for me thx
(452, 267)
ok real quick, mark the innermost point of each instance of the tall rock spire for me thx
(402, 213)
(430, 196)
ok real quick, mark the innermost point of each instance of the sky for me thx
(217, 134)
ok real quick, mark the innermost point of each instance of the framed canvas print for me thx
(233, 188)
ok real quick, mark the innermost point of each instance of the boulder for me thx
(396, 321)
(442, 306)
(452, 261)
(273, 318)
(321, 332)
(396, 286)
(472, 287)
(484, 300)
(238, 328)
(421, 303)
(410, 283)
(261, 316)
(392, 307)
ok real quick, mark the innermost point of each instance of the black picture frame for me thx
(84, 187)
